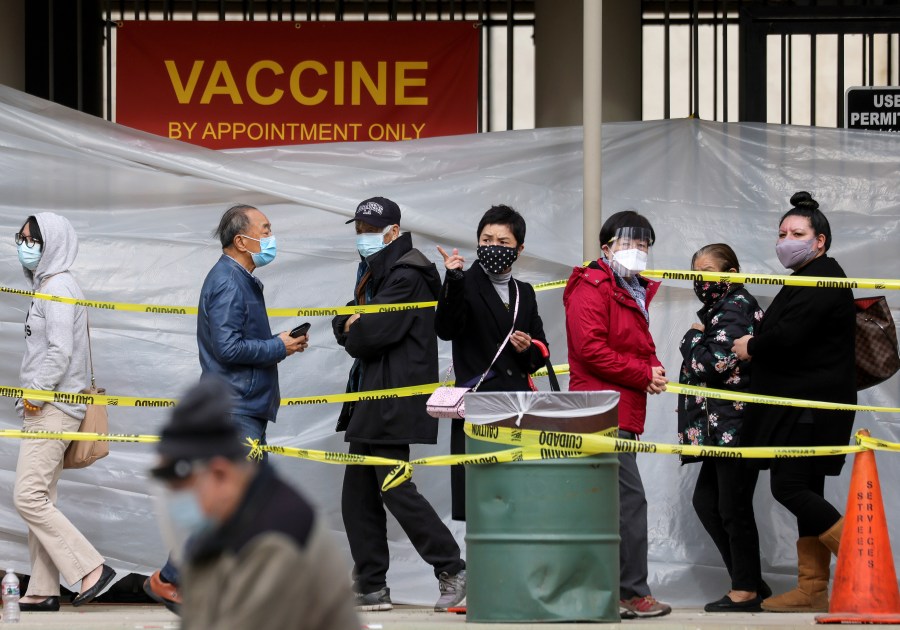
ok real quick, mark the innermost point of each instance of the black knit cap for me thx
(200, 428)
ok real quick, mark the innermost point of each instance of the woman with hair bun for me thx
(804, 347)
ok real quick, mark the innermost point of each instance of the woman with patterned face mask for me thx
(610, 348)
(723, 496)
(476, 310)
(804, 348)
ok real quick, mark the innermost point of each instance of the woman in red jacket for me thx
(610, 348)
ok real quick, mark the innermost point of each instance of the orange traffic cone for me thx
(865, 583)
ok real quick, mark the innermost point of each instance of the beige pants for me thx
(53, 542)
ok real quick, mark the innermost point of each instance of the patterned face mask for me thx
(496, 258)
(711, 292)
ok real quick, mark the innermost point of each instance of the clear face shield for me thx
(628, 252)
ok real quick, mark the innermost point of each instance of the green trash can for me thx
(542, 540)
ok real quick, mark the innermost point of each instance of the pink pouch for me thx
(447, 402)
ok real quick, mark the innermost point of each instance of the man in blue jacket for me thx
(233, 334)
(236, 343)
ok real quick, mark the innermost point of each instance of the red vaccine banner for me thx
(227, 85)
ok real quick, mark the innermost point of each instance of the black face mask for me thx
(711, 292)
(496, 258)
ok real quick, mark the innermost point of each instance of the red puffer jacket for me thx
(610, 347)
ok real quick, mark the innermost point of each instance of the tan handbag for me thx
(81, 453)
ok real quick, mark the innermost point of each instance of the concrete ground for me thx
(144, 616)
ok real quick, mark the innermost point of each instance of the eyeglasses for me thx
(28, 240)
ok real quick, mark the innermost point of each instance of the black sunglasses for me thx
(28, 240)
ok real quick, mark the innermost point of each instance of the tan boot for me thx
(811, 594)
(832, 536)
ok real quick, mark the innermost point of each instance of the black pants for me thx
(365, 521)
(458, 472)
(799, 486)
(633, 534)
(723, 499)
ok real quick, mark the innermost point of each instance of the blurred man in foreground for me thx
(258, 555)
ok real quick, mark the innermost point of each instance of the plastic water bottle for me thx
(10, 584)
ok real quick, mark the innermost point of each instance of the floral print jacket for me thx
(709, 362)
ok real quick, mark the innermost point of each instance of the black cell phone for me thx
(300, 330)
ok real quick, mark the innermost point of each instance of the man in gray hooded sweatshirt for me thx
(56, 359)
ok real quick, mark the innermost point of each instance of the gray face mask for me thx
(793, 254)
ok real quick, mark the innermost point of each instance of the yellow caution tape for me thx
(332, 311)
(553, 284)
(111, 306)
(78, 436)
(779, 280)
(562, 368)
(558, 443)
(529, 445)
(706, 392)
(876, 444)
(72, 398)
(400, 470)
(133, 401)
(167, 309)
(376, 394)
(520, 454)
(421, 390)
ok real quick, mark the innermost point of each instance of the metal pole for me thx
(591, 105)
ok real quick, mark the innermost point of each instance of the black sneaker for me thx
(379, 600)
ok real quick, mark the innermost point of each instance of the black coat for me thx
(805, 348)
(472, 316)
(395, 349)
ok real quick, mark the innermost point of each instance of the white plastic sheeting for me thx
(495, 406)
(144, 207)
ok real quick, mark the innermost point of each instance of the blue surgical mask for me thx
(372, 243)
(185, 512)
(29, 256)
(267, 250)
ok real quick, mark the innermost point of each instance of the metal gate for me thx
(770, 61)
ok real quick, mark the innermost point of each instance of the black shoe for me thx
(727, 605)
(51, 604)
(764, 591)
(106, 577)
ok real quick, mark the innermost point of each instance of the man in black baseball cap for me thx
(377, 212)
(396, 347)
(257, 551)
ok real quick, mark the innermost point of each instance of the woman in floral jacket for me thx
(723, 496)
